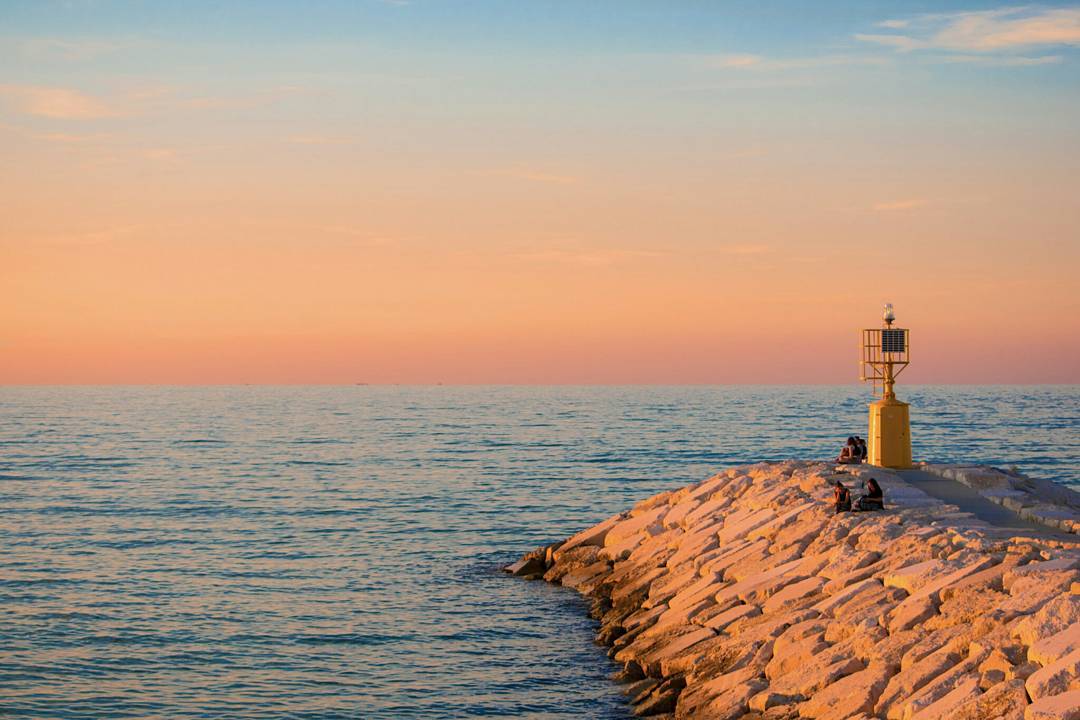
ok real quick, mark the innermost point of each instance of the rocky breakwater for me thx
(746, 596)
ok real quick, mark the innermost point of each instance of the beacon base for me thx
(890, 434)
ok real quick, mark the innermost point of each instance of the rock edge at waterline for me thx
(746, 596)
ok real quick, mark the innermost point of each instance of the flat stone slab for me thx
(1050, 649)
(1065, 706)
(1055, 678)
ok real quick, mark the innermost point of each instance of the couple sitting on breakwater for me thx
(874, 499)
(853, 452)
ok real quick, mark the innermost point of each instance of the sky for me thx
(428, 191)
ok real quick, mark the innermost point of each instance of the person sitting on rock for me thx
(862, 448)
(874, 499)
(849, 454)
(842, 497)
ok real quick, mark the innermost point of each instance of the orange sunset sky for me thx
(477, 192)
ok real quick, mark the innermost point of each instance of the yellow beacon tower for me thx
(884, 356)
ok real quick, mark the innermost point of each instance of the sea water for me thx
(325, 552)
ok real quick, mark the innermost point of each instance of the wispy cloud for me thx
(985, 31)
(256, 98)
(584, 257)
(738, 61)
(60, 138)
(745, 249)
(317, 140)
(79, 49)
(55, 102)
(161, 154)
(759, 63)
(1006, 60)
(540, 176)
(896, 205)
(86, 238)
(356, 235)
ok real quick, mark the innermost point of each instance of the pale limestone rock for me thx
(1052, 648)
(732, 704)
(705, 586)
(680, 616)
(576, 578)
(761, 584)
(936, 585)
(700, 693)
(809, 679)
(766, 628)
(670, 647)
(845, 559)
(644, 617)
(666, 587)
(634, 585)
(795, 655)
(648, 522)
(1053, 617)
(711, 612)
(713, 556)
(910, 613)
(738, 552)
(800, 534)
(1028, 594)
(891, 649)
(711, 510)
(528, 565)
(738, 612)
(694, 657)
(811, 564)
(798, 631)
(1065, 706)
(621, 549)
(904, 683)
(593, 536)
(942, 708)
(912, 577)
(766, 699)
(879, 531)
(645, 642)
(651, 503)
(677, 515)
(1055, 678)
(737, 530)
(848, 696)
(870, 572)
(694, 544)
(792, 594)
(875, 604)
(967, 607)
(1062, 564)
(769, 529)
(760, 562)
(1004, 701)
(936, 688)
(571, 560)
(997, 660)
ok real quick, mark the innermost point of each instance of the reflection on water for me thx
(331, 552)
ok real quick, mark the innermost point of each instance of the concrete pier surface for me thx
(967, 499)
(748, 596)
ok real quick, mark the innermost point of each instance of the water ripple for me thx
(332, 552)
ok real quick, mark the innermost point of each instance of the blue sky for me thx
(614, 171)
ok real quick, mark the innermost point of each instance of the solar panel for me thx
(892, 341)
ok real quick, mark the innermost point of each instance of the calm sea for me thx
(324, 552)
